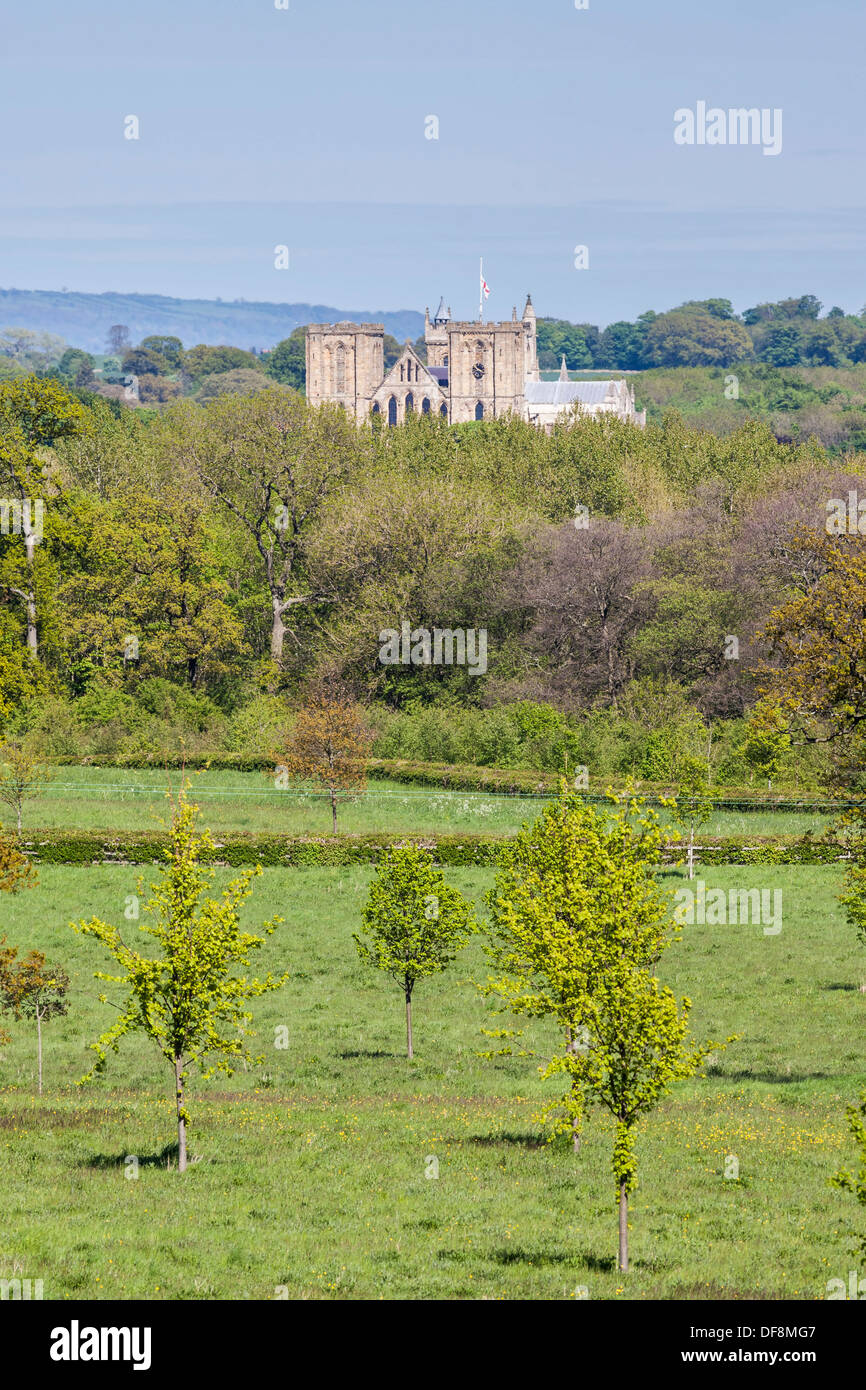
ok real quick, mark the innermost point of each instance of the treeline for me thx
(707, 333)
(214, 556)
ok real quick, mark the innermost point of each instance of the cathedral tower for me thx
(345, 364)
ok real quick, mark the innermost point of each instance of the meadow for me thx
(315, 1172)
(114, 799)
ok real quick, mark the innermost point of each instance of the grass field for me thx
(312, 1171)
(112, 799)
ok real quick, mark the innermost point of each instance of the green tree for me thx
(22, 777)
(693, 337)
(33, 415)
(287, 362)
(564, 881)
(30, 988)
(150, 588)
(140, 362)
(767, 739)
(203, 360)
(188, 998)
(166, 347)
(272, 461)
(414, 922)
(579, 922)
(635, 1046)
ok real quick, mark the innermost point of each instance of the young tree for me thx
(414, 922)
(30, 988)
(188, 997)
(636, 1046)
(767, 739)
(566, 879)
(21, 778)
(329, 745)
(694, 808)
(579, 922)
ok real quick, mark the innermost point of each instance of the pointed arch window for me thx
(410, 404)
(425, 406)
(479, 411)
(392, 411)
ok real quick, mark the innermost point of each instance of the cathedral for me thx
(474, 371)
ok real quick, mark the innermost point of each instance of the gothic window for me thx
(341, 370)
(402, 371)
(443, 411)
(425, 406)
(392, 411)
(410, 404)
(445, 360)
(376, 410)
(479, 411)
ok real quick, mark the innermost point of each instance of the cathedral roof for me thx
(569, 392)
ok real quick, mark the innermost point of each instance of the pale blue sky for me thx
(306, 127)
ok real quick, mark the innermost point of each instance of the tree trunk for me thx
(334, 809)
(181, 1122)
(575, 1126)
(623, 1227)
(692, 852)
(409, 1051)
(30, 601)
(571, 1046)
(18, 813)
(39, 1048)
(278, 631)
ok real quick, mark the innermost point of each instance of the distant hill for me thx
(84, 319)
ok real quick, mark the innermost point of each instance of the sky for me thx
(307, 127)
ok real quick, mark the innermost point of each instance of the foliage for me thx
(329, 745)
(22, 777)
(579, 923)
(414, 922)
(188, 999)
(30, 988)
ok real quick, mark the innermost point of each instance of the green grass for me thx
(312, 1167)
(107, 799)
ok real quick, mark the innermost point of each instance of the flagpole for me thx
(481, 290)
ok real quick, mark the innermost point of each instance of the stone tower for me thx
(436, 335)
(486, 369)
(345, 364)
(530, 326)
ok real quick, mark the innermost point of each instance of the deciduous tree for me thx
(329, 744)
(30, 988)
(414, 922)
(22, 777)
(188, 998)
